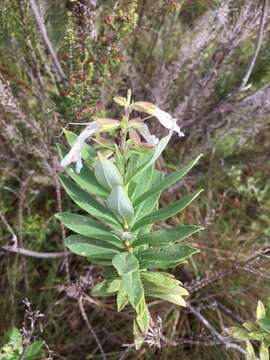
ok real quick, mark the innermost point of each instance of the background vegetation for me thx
(63, 61)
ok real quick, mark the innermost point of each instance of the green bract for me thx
(121, 204)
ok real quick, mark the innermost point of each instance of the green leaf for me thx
(132, 284)
(264, 354)
(106, 287)
(143, 317)
(239, 333)
(168, 181)
(257, 335)
(166, 212)
(163, 287)
(250, 326)
(83, 225)
(135, 188)
(34, 351)
(172, 298)
(88, 247)
(85, 179)
(89, 204)
(264, 324)
(120, 160)
(122, 299)
(107, 173)
(119, 202)
(165, 256)
(159, 278)
(250, 350)
(151, 204)
(135, 161)
(167, 236)
(260, 311)
(156, 154)
(87, 150)
(125, 263)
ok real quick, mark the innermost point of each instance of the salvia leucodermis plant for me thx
(115, 182)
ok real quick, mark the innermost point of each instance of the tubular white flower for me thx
(167, 121)
(74, 155)
(163, 117)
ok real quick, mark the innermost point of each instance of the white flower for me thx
(163, 117)
(74, 155)
(167, 121)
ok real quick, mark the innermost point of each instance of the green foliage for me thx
(123, 237)
(13, 347)
(256, 331)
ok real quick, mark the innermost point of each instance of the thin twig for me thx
(227, 341)
(31, 253)
(209, 279)
(42, 28)
(60, 209)
(9, 228)
(258, 45)
(90, 328)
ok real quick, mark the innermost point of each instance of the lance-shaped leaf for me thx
(107, 287)
(132, 284)
(107, 173)
(250, 350)
(260, 311)
(87, 202)
(173, 298)
(125, 263)
(167, 236)
(165, 256)
(120, 204)
(143, 316)
(264, 353)
(151, 204)
(83, 225)
(238, 333)
(163, 286)
(166, 212)
(87, 151)
(156, 154)
(167, 181)
(160, 279)
(88, 247)
(135, 161)
(86, 179)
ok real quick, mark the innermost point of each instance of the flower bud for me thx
(108, 124)
(120, 100)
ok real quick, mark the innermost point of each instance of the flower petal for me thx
(74, 155)
(163, 117)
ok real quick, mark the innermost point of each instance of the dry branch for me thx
(227, 341)
(238, 266)
(42, 28)
(31, 253)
